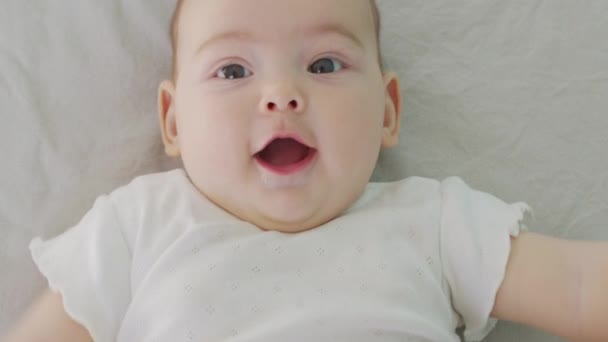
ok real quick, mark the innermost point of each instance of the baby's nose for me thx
(282, 99)
(279, 106)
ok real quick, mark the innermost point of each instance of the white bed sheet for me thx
(510, 95)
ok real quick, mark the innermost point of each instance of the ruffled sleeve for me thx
(90, 265)
(476, 231)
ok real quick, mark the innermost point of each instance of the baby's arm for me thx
(47, 321)
(556, 285)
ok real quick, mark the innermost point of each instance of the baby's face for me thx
(279, 108)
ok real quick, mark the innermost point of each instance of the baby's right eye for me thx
(233, 72)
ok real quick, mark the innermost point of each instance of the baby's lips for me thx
(284, 135)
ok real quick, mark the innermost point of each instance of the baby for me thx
(272, 231)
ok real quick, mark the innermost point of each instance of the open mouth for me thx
(285, 155)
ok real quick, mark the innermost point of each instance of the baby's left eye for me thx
(233, 72)
(325, 66)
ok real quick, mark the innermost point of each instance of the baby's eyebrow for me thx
(334, 28)
(317, 30)
(228, 35)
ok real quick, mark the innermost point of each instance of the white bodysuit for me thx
(409, 261)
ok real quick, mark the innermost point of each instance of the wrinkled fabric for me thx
(510, 95)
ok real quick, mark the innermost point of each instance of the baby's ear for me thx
(392, 111)
(168, 124)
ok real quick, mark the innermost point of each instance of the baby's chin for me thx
(296, 219)
(286, 225)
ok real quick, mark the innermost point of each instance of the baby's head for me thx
(279, 109)
(178, 10)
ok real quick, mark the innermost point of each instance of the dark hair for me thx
(180, 4)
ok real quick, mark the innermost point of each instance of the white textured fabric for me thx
(156, 261)
(91, 266)
(475, 243)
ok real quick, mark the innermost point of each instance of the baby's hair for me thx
(178, 10)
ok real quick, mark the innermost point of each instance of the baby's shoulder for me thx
(146, 189)
(154, 183)
(418, 186)
(161, 206)
(155, 195)
(410, 187)
(401, 193)
(414, 190)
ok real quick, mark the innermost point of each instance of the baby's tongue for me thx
(282, 152)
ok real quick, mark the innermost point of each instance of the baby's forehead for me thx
(343, 6)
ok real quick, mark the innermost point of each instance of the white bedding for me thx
(510, 95)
